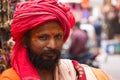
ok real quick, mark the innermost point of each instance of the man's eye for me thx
(58, 37)
(44, 37)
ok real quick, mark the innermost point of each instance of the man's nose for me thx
(52, 44)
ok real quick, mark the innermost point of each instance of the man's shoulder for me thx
(9, 74)
(101, 75)
(90, 72)
(65, 62)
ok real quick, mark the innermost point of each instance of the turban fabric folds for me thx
(28, 15)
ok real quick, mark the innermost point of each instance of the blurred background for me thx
(99, 18)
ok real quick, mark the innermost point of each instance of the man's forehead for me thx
(47, 27)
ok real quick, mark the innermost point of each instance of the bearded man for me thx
(39, 29)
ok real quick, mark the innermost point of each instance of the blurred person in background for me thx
(112, 21)
(87, 25)
(78, 49)
(97, 23)
(39, 29)
(78, 38)
(98, 30)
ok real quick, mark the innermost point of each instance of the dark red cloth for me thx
(78, 42)
(80, 70)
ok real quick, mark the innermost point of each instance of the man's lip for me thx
(49, 56)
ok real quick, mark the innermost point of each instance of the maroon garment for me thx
(78, 41)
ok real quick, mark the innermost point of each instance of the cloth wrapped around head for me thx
(28, 15)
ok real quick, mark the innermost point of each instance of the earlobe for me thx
(24, 42)
(26, 39)
(24, 45)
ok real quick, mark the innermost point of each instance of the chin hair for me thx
(41, 63)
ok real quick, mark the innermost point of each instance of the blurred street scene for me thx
(99, 19)
(111, 66)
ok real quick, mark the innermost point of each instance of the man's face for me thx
(45, 44)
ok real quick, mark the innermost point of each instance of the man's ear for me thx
(26, 39)
(24, 42)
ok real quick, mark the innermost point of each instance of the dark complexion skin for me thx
(44, 44)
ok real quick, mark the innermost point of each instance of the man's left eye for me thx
(44, 37)
(59, 36)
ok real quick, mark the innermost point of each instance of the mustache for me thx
(40, 63)
(50, 51)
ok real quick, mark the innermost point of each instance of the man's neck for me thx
(46, 74)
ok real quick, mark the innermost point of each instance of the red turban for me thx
(28, 15)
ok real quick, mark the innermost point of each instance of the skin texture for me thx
(44, 44)
(47, 36)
